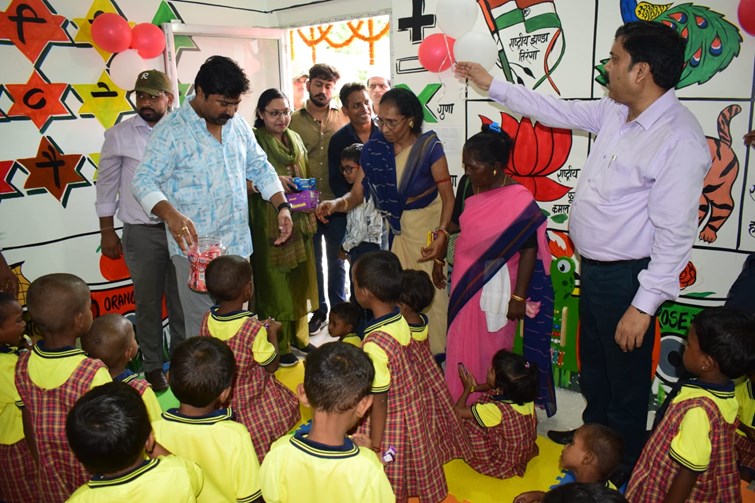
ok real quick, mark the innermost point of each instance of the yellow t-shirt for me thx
(297, 470)
(220, 446)
(11, 425)
(396, 326)
(420, 331)
(50, 369)
(168, 478)
(691, 446)
(489, 415)
(226, 326)
(352, 339)
(745, 395)
(154, 411)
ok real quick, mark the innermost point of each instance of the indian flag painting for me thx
(530, 39)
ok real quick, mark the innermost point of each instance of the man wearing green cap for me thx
(144, 245)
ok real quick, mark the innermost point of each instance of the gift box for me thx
(306, 200)
(305, 183)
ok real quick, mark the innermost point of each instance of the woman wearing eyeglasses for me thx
(285, 280)
(407, 174)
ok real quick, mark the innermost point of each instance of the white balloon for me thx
(456, 17)
(126, 66)
(476, 47)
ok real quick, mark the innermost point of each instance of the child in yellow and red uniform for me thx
(321, 463)
(112, 340)
(18, 481)
(591, 457)
(343, 322)
(690, 454)
(417, 292)
(262, 403)
(501, 424)
(397, 424)
(52, 376)
(744, 441)
(202, 429)
(109, 431)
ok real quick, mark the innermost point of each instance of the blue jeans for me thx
(333, 233)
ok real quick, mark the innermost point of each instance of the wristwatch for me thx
(284, 204)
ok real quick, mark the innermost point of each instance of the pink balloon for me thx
(746, 15)
(111, 32)
(148, 39)
(435, 52)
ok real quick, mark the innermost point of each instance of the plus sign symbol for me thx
(417, 22)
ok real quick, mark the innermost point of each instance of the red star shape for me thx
(38, 100)
(6, 173)
(31, 25)
(53, 171)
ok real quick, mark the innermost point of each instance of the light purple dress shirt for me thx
(639, 189)
(121, 153)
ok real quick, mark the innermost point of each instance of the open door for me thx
(259, 51)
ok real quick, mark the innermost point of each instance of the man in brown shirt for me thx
(316, 123)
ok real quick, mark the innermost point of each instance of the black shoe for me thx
(288, 360)
(316, 323)
(561, 437)
(307, 349)
(157, 380)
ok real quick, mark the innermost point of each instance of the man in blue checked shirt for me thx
(195, 174)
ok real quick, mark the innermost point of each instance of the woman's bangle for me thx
(107, 229)
(518, 298)
(443, 180)
(345, 204)
(440, 262)
(442, 229)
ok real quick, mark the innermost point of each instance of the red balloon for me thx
(111, 32)
(435, 52)
(746, 15)
(148, 40)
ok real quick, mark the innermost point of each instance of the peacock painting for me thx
(712, 41)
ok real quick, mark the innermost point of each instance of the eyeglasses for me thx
(346, 170)
(389, 123)
(277, 113)
(149, 97)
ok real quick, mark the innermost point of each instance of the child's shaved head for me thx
(54, 300)
(108, 338)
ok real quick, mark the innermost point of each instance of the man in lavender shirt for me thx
(634, 215)
(144, 246)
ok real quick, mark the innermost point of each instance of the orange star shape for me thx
(31, 25)
(53, 172)
(38, 100)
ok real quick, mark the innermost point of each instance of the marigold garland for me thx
(356, 33)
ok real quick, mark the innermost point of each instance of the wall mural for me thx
(58, 95)
(56, 99)
(531, 47)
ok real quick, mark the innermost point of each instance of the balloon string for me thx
(449, 52)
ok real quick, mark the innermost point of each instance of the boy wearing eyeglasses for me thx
(364, 224)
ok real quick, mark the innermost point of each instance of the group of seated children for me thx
(388, 397)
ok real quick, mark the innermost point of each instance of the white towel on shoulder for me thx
(494, 301)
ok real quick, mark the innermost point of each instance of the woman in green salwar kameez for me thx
(285, 283)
